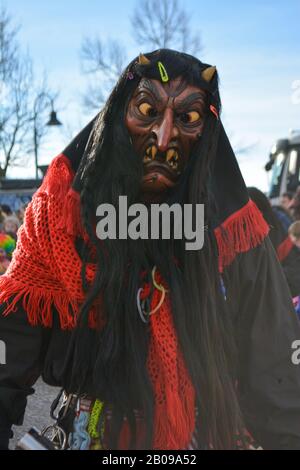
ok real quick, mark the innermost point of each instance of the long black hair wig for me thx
(111, 363)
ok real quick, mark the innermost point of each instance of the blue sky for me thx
(255, 46)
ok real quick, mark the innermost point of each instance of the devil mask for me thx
(164, 121)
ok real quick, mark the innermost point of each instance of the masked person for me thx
(166, 348)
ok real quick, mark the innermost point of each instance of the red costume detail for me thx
(284, 248)
(243, 230)
(214, 111)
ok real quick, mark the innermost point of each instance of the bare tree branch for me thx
(163, 24)
(155, 24)
(23, 102)
(104, 62)
(8, 46)
(14, 109)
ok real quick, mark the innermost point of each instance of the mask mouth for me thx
(169, 161)
(158, 178)
(161, 169)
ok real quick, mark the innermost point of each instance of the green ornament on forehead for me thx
(163, 73)
(143, 60)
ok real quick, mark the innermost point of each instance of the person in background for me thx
(5, 210)
(20, 212)
(294, 205)
(285, 200)
(287, 253)
(11, 226)
(284, 216)
(4, 261)
(7, 246)
(294, 233)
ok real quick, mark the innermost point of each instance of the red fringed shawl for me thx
(45, 272)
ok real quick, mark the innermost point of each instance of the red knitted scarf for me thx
(45, 272)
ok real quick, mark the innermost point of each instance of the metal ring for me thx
(160, 302)
(57, 432)
(159, 287)
(138, 303)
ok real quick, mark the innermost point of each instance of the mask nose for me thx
(165, 131)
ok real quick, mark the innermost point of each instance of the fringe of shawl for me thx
(38, 303)
(243, 230)
(174, 421)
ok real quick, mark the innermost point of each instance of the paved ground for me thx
(37, 411)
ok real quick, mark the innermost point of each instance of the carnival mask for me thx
(164, 122)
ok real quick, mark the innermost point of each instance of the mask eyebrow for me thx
(149, 86)
(191, 99)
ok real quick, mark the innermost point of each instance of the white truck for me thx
(284, 164)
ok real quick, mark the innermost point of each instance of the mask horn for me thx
(208, 73)
(143, 60)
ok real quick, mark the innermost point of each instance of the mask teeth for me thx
(153, 152)
(150, 154)
(170, 154)
(172, 158)
(173, 165)
(147, 159)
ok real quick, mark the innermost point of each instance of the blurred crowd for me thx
(284, 222)
(9, 225)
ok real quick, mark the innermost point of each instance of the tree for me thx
(155, 24)
(23, 102)
(104, 63)
(163, 24)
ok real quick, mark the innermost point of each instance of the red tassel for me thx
(38, 303)
(243, 230)
(174, 421)
(284, 248)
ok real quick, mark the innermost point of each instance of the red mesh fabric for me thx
(45, 269)
(174, 394)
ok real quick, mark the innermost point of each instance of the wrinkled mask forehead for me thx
(165, 65)
(173, 87)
